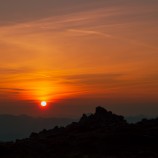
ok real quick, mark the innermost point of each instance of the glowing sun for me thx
(43, 103)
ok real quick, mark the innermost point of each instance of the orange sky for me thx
(104, 50)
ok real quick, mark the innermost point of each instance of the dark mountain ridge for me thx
(99, 135)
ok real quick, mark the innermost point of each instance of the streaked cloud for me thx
(63, 49)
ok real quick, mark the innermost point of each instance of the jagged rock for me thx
(101, 118)
(100, 111)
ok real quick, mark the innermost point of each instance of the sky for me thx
(78, 54)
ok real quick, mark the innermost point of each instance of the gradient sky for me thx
(78, 54)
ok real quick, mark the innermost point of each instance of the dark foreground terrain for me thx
(99, 135)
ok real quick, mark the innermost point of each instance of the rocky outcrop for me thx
(102, 118)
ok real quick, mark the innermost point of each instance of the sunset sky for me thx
(78, 54)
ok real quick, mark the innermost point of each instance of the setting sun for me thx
(43, 103)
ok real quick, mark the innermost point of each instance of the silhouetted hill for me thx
(99, 135)
(18, 127)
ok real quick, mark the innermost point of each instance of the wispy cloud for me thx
(19, 70)
(103, 47)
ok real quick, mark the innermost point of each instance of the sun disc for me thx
(43, 103)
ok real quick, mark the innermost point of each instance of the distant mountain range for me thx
(137, 118)
(18, 127)
(99, 135)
